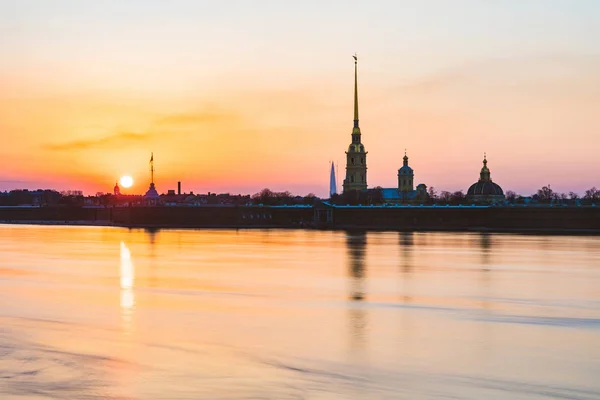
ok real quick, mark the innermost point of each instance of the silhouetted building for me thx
(332, 181)
(484, 190)
(117, 189)
(356, 156)
(405, 192)
(151, 197)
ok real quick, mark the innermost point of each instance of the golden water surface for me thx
(109, 313)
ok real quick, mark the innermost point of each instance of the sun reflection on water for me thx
(127, 280)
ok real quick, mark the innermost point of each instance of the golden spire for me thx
(152, 167)
(355, 90)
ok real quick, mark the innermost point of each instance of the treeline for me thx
(37, 197)
(267, 197)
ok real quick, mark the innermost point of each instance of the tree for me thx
(458, 197)
(445, 196)
(433, 195)
(545, 194)
(592, 194)
(573, 196)
(510, 196)
(265, 196)
(310, 199)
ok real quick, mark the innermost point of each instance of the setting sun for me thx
(126, 181)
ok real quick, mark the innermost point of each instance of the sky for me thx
(241, 95)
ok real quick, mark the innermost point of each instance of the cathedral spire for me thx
(355, 90)
(356, 156)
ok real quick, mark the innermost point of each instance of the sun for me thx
(126, 181)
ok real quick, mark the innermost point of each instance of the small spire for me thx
(484, 175)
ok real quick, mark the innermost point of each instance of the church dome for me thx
(405, 170)
(485, 188)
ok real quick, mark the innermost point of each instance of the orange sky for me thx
(80, 108)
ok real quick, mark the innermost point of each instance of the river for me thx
(110, 313)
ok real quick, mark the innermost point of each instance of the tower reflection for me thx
(485, 246)
(356, 243)
(151, 235)
(406, 242)
(127, 298)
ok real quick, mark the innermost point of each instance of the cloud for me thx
(181, 120)
(194, 118)
(112, 141)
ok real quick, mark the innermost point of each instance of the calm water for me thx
(106, 313)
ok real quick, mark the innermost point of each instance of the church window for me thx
(362, 160)
(352, 160)
(352, 178)
(362, 178)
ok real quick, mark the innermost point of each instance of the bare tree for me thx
(545, 194)
(592, 194)
(510, 196)
(433, 194)
(445, 196)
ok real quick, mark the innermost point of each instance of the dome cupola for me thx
(485, 190)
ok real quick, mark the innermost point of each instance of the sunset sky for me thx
(235, 96)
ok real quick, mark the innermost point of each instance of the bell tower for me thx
(406, 176)
(356, 156)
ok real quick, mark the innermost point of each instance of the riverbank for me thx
(538, 220)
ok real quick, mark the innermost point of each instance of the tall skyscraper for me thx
(356, 156)
(332, 181)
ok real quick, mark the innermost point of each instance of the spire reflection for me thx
(356, 243)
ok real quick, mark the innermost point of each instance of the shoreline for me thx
(355, 228)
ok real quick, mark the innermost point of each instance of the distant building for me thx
(485, 191)
(405, 193)
(332, 181)
(356, 156)
(151, 197)
(117, 189)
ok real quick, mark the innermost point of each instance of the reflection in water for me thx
(151, 235)
(485, 244)
(356, 244)
(127, 281)
(406, 240)
(233, 318)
